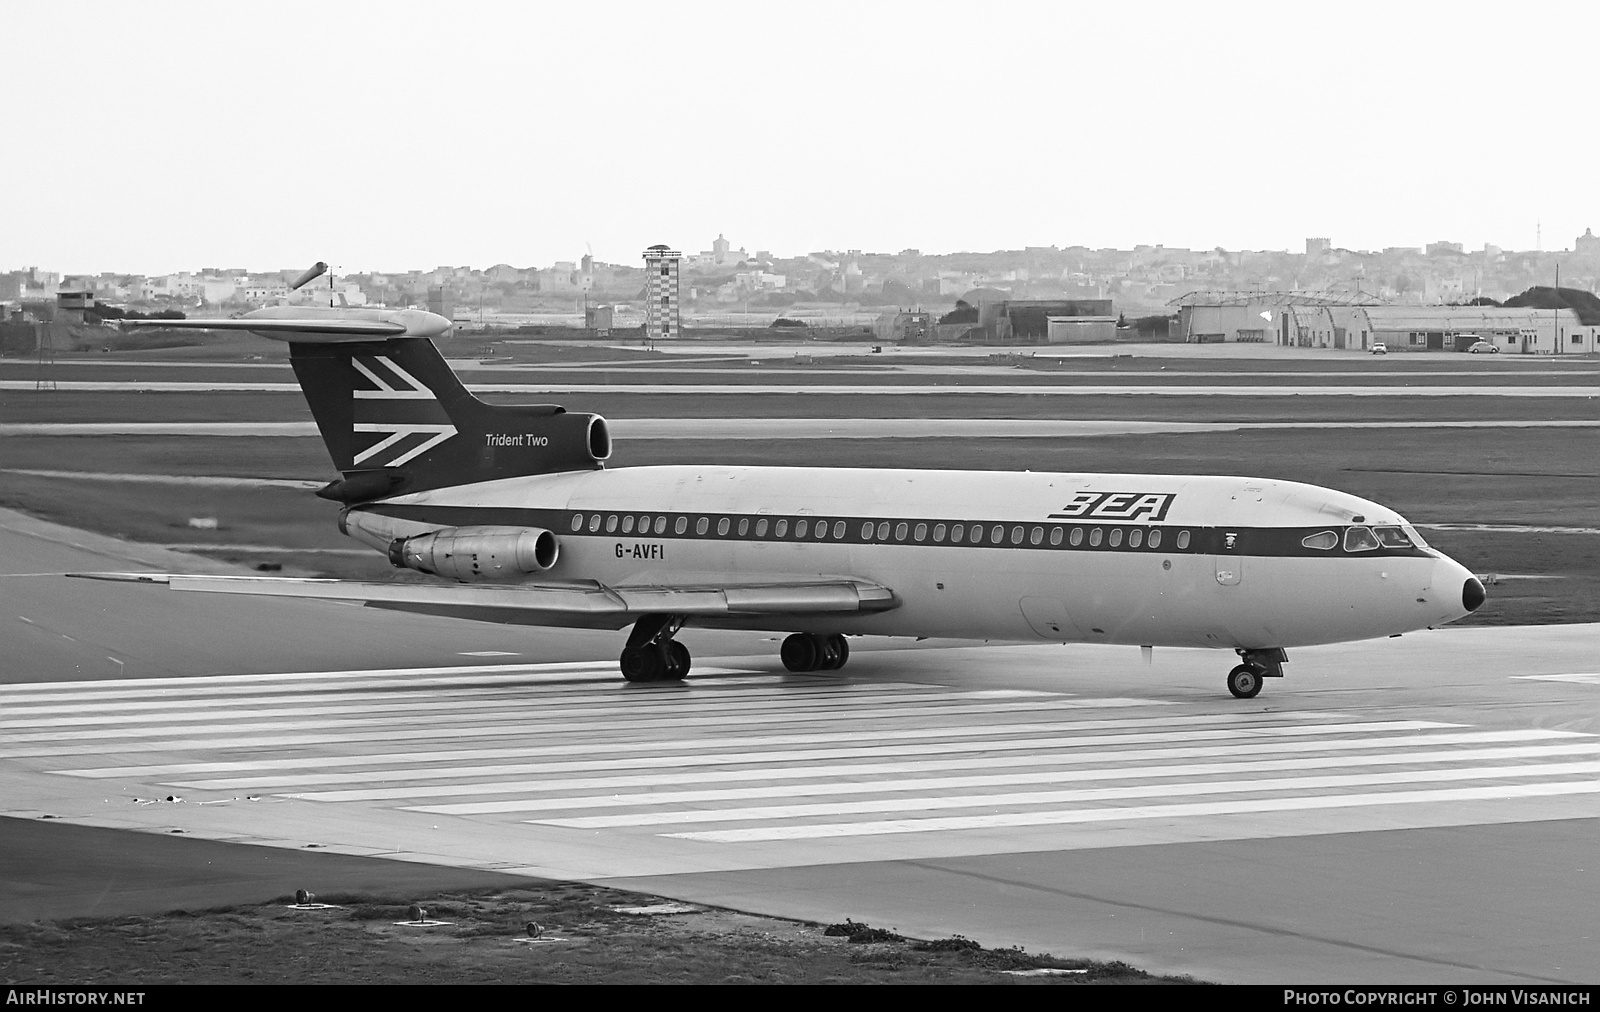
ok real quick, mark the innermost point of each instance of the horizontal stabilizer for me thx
(368, 329)
(320, 325)
(581, 602)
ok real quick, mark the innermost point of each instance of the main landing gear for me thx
(1244, 681)
(812, 652)
(652, 655)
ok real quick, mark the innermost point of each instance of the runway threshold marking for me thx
(1019, 798)
(1062, 818)
(748, 757)
(768, 788)
(324, 763)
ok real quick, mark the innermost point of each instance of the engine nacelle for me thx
(471, 554)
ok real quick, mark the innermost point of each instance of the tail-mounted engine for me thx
(471, 554)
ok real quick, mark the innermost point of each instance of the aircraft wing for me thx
(583, 603)
(376, 329)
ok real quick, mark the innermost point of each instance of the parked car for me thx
(1379, 348)
(1483, 348)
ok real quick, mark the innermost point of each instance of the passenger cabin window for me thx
(702, 525)
(1037, 537)
(1359, 539)
(838, 528)
(661, 525)
(938, 532)
(977, 534)
(1016, 535)
(627, 524)
(957, 533)
(781, 528)
(744, 526)
(1116, 537)
(1077, 537)
(1055, 535)
(577, 522)
(866, 531)
(1135, 538)
(611, 523)
(1322, 542)
(761, 528)
(1183, 540)
(1155, 539)
(900, 531)
(723, 525)
(822, 528)
(921, 533)
(883, 531)
(1094, 538)
(800, 527)
(594, 523)
(681, 525)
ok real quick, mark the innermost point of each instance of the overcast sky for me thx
(154, 137)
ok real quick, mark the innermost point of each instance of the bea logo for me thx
(1127, 507)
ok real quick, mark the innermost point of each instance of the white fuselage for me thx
(1229, 567)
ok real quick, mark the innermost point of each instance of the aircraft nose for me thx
(1472, 595)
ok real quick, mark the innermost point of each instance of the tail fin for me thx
(396, 419)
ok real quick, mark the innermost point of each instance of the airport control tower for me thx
(661, 293)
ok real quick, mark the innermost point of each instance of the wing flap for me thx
(585, 600)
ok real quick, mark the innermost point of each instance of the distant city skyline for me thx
(161, 137)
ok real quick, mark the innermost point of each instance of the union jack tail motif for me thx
(396, 419)
(405, 415)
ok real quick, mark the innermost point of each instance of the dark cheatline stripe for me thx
(1094, 536)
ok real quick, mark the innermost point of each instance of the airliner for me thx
(515, 511)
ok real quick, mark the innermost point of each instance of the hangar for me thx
(1456, 328)
(1314, 320)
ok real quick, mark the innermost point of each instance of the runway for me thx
(817, 428)
(1419, 809)
(1012, 389)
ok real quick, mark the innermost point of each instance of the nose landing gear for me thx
(1244, 681)
(811, 652)
(651, 654)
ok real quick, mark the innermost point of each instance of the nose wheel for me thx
(1244, 682)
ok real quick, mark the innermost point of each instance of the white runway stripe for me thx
(1284, 718)
(611, 700)
(1586, 678)
(702, 746)
(557, 802)
(1018, 798)
(142, 686)
(545, 720)
(1013, 820)
(763, 763)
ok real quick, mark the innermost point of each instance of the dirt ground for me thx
(585, 935)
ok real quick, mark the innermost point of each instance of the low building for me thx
(1081, 329)
(908, 327)
(1456, 328)
(599, 320)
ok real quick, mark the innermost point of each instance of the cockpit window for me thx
(1416, 539)
(1359, 539)
(1324, 541)
(1392, 537)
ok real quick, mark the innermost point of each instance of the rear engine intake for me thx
(472, 554)
(599, 438)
